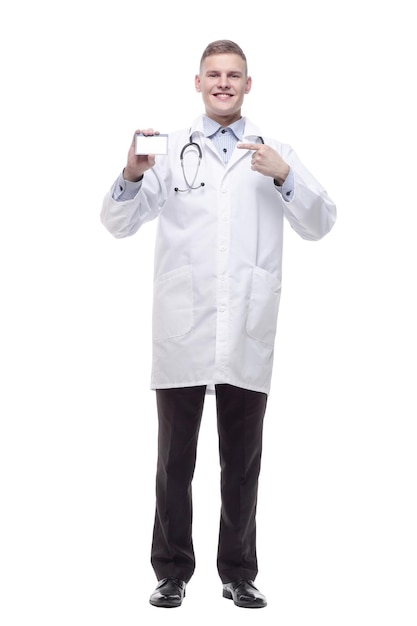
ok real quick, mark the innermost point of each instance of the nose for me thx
(224, 81)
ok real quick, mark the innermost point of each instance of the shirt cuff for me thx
(287, 188)
(125, 189)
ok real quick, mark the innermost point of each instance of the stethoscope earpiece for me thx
(176, 189)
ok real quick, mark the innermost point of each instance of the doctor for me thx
(220, 195)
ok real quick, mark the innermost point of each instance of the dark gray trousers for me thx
(240, 415)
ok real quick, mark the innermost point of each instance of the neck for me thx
(225, 120)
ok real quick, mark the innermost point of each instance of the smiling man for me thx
(221, 195)
(223, 83)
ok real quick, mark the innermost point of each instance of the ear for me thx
(248, 84)
(197, 82)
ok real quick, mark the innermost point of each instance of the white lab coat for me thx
(217, 267)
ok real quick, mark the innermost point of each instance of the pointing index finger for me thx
(249, 146)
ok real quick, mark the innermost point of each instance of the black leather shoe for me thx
(169, 593)
(244, 593)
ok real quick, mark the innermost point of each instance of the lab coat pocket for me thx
(173, 303)
(261, 323)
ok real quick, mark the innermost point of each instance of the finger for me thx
(249, 146)
(145, 131)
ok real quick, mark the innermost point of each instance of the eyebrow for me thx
(228, 72)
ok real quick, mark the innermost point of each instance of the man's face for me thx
(223, 84)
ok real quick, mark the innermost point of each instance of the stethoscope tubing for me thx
(190, 186)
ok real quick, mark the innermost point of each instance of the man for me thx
(220, 195)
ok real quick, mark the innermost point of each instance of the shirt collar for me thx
(211, 127)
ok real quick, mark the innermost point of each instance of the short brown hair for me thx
(223, 46)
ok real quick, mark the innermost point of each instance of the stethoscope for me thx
(197, 150)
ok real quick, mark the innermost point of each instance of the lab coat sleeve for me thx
(123, 218)
(310, 211)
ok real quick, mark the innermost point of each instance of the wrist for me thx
(281, 177)
(132, 177)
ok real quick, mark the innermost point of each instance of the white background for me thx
(337, 504)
